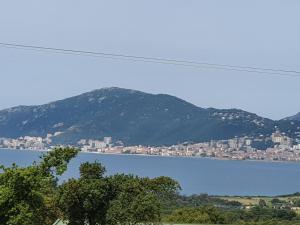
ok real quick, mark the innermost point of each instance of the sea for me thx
(195, 175)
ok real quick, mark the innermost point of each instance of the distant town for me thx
(276, 147)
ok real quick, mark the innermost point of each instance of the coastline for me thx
(211, 176)
(196, 157)
(166, 156)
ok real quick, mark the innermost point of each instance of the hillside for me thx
(133, 117)
(295, 117)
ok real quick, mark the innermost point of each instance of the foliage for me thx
(26, 193)
(214, 215)
(182, 201)
(276, 201)
(118, 199)
(260, 214)
(56, 161)
(262, 203)
(98, 114)
(206, 214)
(32, 196)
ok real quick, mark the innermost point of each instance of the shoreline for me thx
(164, 156)
(140, 158)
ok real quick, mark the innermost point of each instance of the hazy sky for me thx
(264, 33)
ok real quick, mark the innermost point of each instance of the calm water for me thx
(194, 174)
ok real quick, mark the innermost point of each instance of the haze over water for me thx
(196, 175)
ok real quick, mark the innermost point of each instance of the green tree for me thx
(206, 214)
(91, 170)
(31, 195)
(134, 202)
(262, 203)
(119, 199)
(86, 199)
(26, 193)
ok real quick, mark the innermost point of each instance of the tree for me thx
(96, 199)
(276, 201)
(262, 203)
(26, 193)
(91, 170)
(205, 214)
(134, 201)
(31, 195)
(86, 199)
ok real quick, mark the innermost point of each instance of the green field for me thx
(255, 200)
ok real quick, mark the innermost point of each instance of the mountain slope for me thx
(133, 117)
(295, 117)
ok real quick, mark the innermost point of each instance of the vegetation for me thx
(291, 201)
(213, 215)
(206, 214)
(32, 195)
(26, 194)
(126, 114)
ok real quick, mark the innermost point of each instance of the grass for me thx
(246, 201)
(253, 201)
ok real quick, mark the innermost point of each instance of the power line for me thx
(186, 63)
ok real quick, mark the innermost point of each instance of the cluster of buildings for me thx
(27, 142)
(277, 147)
(95, 145)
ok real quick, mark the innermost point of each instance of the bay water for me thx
(196, 175)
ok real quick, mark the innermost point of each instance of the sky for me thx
(247, 33)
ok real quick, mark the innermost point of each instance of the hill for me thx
(295, 117)
(134, 117)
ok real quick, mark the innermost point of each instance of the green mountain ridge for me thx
(136, 118)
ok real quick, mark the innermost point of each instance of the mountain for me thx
(295, 117)
(134, 117)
